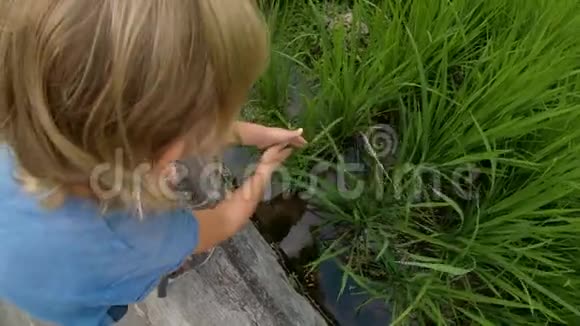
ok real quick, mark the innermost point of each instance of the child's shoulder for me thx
(6, 168)
(25, 215)
(36, 243)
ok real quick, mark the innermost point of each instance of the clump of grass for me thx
(479, 219)
(346, 76)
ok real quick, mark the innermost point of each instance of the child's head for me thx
(84, 81)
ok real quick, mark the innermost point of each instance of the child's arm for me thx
(229, 217)
(251, 134)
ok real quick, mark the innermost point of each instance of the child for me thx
(97, 99)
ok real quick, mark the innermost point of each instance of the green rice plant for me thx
(270, 93)
(347, 77)
(351, 75)
(437, 259)
(478, 221)
(353, 78)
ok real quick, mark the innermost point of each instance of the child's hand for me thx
(273, 158)
(230, 216)
(264, 137)
(275, 136)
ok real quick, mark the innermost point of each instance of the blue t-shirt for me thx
(70, 265)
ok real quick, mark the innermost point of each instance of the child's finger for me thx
(277, 148)
(277, 154)
(272, 152)
(298, 142)
(298, 132)
(289, 135)
(285, 154)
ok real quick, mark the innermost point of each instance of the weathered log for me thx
(241, 284)
(10, 316)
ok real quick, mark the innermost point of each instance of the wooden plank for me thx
(11, 316)
(242, 284)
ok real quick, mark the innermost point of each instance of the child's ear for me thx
(172, 153)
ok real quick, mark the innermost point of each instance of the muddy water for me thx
(287, 222)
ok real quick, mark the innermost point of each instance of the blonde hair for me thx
(82, 80)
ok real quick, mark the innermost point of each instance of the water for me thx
(344, 309)
(289, 222)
